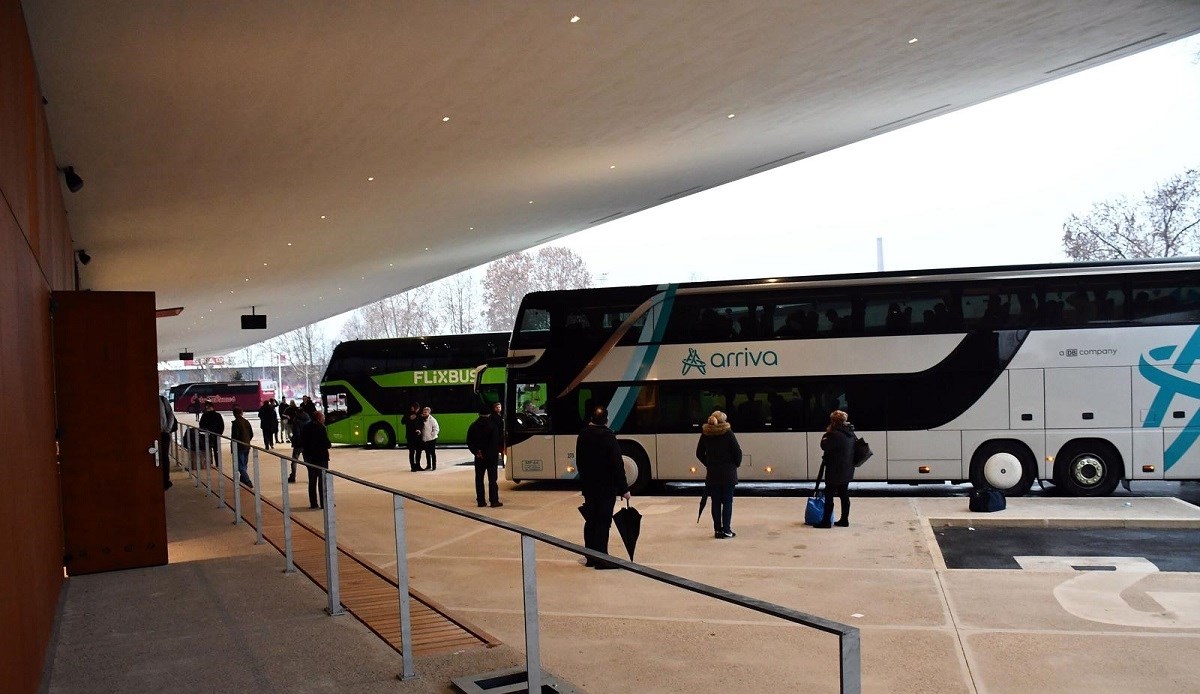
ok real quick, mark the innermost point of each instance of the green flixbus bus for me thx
(369, 384)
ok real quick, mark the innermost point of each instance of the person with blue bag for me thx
(837, 460)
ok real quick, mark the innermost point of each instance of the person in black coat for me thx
(212, 421)
(602, 476)
(483, 440)
(268, 421)
(315, 441)
(300, 422)
(838, 459)
(718, 451)
(412, 435)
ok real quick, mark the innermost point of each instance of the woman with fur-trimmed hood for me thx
(718, 451)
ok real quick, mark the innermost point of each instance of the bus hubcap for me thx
(380, 437)
(631, 470)
(1088, 470)
(1002, 471)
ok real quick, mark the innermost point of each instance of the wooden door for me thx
(106, 382)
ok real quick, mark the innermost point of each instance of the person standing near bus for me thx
(268, 421)
(602, 477)
(838, 459)
(498, 420)
(412, 435)
(483, 440)
(284, 422)
(195, 407)
(167, 424)
(429, 437)
(212, 421)
(718, 451)
(300, 422)
(243, 433)
(316, 454)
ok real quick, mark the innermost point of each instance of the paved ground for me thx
(1046, 627)
(991, 547)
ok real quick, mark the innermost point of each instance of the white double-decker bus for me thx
(1080, 375)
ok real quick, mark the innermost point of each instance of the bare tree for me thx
(458, 303)
(507, 280)
(1164, 222)
(405, 315)
(308, 355)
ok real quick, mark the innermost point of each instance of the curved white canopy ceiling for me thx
(213, 135)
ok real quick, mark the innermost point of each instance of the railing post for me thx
(258, 533)
(331, 564)
(533, 655)
(214, 448)
(849, 649)
(289, 566)
(207, 461)
(236, 485)
(190, 433)
(406, 653)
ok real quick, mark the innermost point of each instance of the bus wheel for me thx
(1088, 467)
(637, 467)
(381, 436)
(1006, 466)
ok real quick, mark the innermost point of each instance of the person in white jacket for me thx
(429, 437)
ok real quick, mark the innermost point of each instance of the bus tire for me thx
(381, 435)
(637, 467)
(1088, 467)
(1005, 465)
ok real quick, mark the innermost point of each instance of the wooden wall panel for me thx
(17, 113)
(35, 257)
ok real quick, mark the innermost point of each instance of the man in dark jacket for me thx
(498, 419)
(412, 435)
(268, 420)
(316, 453)
(838, 459)
(212, 421)
(483, 440)
(300, 422)
(243, 433)
(602, 476)
(718, 451)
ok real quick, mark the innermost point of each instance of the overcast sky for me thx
(987, 185)
(991, 184)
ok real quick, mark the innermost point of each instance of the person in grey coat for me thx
(718, 451)
(838, 459)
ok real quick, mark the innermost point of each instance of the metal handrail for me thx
(849, 644)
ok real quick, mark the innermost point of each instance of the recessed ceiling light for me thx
(370, 178)
(732, 115)
(247, 279)
(445, 119)
(322, 216)
(913, 40)
(289, 243)
(575, 19)
(426, 249)
(230, 291)
(391, 265)
(471, 228)
(362, 278)
(264, 264)
(613, 166)
(530, 202)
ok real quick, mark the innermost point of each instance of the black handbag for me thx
(862, 451)
(987, 500)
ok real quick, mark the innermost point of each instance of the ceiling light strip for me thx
(776, 162)
(614, 215)
(907, 118)
(681, 193)
(1101, 55)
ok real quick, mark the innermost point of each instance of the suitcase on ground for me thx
(987, 500)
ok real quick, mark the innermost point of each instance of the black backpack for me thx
(987, 500)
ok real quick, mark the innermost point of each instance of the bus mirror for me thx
(479, 377)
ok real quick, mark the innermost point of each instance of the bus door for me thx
(531, 443)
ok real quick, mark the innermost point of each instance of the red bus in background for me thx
(248, 395)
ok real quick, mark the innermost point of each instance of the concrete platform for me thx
(925, 628)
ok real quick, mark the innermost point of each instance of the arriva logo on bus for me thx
(723, 360)
(442, 377)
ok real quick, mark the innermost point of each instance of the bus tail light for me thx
(768, 469)
(692, 469)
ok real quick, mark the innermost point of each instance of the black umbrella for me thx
(703, 503)
(629, 523)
